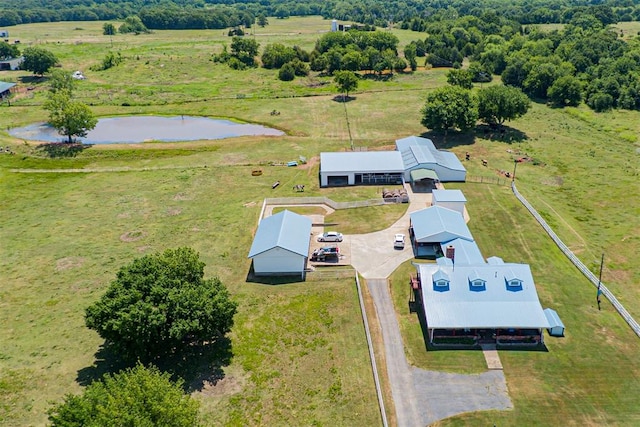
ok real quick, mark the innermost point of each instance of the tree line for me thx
(203, 14)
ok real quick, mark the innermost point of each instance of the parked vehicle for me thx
(398, 242)
(330, 236)
(327, 252)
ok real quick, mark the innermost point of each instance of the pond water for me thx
(135, 129)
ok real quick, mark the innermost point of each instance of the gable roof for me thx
(437, 225)
(286, 230)
(495, 307)
(421, 151)
(361, 161)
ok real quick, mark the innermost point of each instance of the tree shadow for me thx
(197, 365)
(450, 139)
(501, 133)
(62, 149)
(271, 280)
(378, 77)
(342, 98)
(32, 79)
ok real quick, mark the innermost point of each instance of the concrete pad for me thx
(491, 356)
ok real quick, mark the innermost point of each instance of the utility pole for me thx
(600, 282)
(515, 165)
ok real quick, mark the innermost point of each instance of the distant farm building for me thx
(5, 89)
(281, 245)
(414, 160)
(4, 34)
(11, 64)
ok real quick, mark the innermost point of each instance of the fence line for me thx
(323, 200)
(487, 179)
(372, 356)
(574, 259)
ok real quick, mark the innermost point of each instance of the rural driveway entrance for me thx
(420, 397)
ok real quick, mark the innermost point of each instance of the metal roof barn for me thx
(281, 244)
(361, 167)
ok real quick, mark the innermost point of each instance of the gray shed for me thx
(556, 327)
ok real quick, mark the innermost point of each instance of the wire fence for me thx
(497, 180)
(574, 259)
(319, 274)
(323, 200)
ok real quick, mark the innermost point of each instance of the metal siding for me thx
(361, 162)
(286, 230)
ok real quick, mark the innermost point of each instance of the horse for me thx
(298, 187)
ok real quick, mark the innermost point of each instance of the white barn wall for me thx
(278, 260)
(454, 206)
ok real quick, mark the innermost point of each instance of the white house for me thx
(281, 245)
(450, 199)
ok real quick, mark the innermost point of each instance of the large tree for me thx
(567, 90)
(499, 103)
(136, 397)
(8, 51)
(61, 81)
(70, 118)
(346, 81)
(38, 60)
(161, 303)
(450, 107)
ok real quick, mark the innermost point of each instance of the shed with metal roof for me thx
(281, 245)
(556, 327)
(450, 199)
(5, 89)
(361, 167)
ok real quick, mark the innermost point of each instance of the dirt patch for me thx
(222, 387)
(143, 248)
(174, 211)
(68, 262)
(249, 205)
(124, 215)
(310, 163)
(132, 236)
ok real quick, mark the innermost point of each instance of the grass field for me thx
(299, 354)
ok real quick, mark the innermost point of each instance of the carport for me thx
(423, 179)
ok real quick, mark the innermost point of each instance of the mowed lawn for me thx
(589, 377)
(298, 351)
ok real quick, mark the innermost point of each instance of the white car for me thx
(330, 236)
(398, 242)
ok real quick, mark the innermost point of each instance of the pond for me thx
(136, 129)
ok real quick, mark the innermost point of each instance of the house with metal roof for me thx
(450, 199)
(361, 167)
(281, 245)
(431, 227)
(420, 155)
(498, 303)
(5, 89)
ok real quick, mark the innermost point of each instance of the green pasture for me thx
(299, 354)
